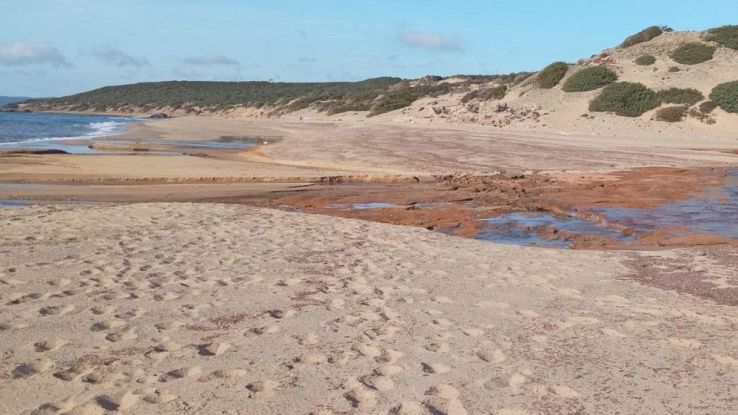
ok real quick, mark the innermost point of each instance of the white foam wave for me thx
(99, 129)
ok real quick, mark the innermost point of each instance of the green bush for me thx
(551, 75)
(589, 79)
(693, 53)
(671, 114)
(707, 107)
(495, 92)
(406, 95)
(688, 96)
(674, 69)
(726, 36)
(644, 35)
(726, 96)
(626, 99)
(645, 60)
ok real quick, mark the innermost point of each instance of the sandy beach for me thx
(119, 306)
(368, 208)
(181, 308)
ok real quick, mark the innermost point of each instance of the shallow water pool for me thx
(526, 228)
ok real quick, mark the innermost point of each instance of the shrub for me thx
(589, 79)
(687, 96)
(693, 53)
(707, 107)
(495, 92)
(626, 99)
(645, 60)
(726, 96)
(671, 114)
(726, 36)
(644, 35)
(406, 95)
(674, 69)
(551, 75)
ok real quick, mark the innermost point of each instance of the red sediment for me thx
(458, 204)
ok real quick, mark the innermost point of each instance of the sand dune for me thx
(164, 308)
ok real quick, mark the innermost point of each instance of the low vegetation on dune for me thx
(671, 114)
(221, 95)
(589, 79)
(687, 96)
(707, 107)
(405, 96)
(726, 36)
(645, 60)
(376, 96)
(726, 96)
(693, 53)
(644, 35)
(485, 94)
(626, 99)
(551, 75)
(634, 99)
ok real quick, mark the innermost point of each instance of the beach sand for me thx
(208, 308)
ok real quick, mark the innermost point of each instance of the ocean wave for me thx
(97, 129)
(105, 128)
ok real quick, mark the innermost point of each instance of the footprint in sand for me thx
(388, 370)
(408, 408)
(366, 349)
(107, 325)
(27, 370)
(491, 355)
(263, 388)
(444, 399)
(259, 331)
(59, 310)
(167, 346)
(118, 401)
(362, 398)
(185, 372)
(158, 396)
(379, 383)
(435, 368)
(214, 349)
(126, 334)
(49, 345)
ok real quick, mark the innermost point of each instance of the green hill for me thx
(375, 95)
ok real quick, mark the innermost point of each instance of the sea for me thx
(45, 130)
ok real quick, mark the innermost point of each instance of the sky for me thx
(60, 47)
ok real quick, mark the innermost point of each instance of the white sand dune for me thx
(215, 309)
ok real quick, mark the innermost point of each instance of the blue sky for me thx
(58, 47)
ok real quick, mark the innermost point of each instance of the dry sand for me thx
(215, 309)
(309, 150)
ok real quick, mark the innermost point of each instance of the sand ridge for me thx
(161, 308)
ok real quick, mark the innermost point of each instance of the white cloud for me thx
(114, 56)
(24, 54)
(210, 60)
(430, 40)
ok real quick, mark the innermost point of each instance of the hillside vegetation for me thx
(655, 74)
